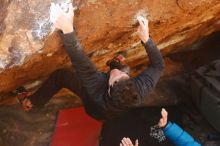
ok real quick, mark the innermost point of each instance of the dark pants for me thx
(65, 78)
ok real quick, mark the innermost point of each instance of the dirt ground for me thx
(32, 128)
(36, 127)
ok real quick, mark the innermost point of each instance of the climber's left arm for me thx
(85, 69)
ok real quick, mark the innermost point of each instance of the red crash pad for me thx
(75, 128)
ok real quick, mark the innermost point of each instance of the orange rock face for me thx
(30, 49)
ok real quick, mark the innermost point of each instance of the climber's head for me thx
(122, 88)
(116, 75)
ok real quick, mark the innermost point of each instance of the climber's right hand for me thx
(143, 30)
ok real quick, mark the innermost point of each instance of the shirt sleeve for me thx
(178, 136)
(85, 69)
(147, 80)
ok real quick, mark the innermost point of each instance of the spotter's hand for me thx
(127, 142)
(163, 120)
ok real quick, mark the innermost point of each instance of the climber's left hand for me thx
(63, 20)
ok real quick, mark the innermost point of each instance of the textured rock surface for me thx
(29, 51)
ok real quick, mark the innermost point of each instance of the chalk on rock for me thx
(140, 13)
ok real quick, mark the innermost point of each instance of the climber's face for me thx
(117, 75)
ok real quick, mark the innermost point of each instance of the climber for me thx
(172, 131)
(104, 95)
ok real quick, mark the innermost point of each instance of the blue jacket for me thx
(178, 136)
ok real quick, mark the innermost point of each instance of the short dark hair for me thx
(124, 93)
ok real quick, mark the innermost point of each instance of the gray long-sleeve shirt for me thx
(97, 102)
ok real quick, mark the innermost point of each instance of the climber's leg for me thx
(64, 78)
